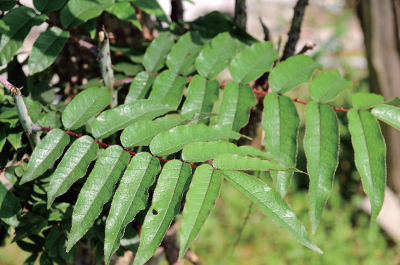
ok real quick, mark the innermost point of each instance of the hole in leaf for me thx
(155, 212)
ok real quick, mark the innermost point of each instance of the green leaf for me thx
(327, 86)
(31, 259)
(47, 6)
(271, 204)
(125, 11)
(6, 5)
(130, 198)
(363, 101)
(139, 87)
(201, 96)
(157, 52)
(236, 103)
(29, 224)
(291, 73)
(122, 116)
(127, 67)
(252, 62)
(14, 135)
(216, 55)
(45, 259)
(281, 123)
(151, 7)
(200, 200)
(72, 167)
(20, 20)
(46, 48)
(3, 138)
(28, 247)
(386, 113)
(131, 239)
(174, 180)
(142, 132)
(91, 27)
(84, 106)
(98, 189)
(10, 209)
(76, 12)
(370, 156)
(175, 139)
(184, 53)
(321, 145)
(3, 27)
(202, 151)
(238, 162)
(45, 154)
(168, 88)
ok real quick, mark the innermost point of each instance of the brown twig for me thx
(94, 49)
(176, 10)
(306, 47)
(294, 32)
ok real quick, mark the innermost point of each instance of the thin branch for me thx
(176, 10)
(265, 29)
(94, 49)
(243, 225)
(123, 82)
(294, 32)
(307, 46)
(240, 13)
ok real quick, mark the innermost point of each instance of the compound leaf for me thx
(200, 97)
(184, 53)
(327, 86)
(122, 116)
(46, 48)
(236, 103)
(216, 55)
(45, 154)
(370, 156)
(139, 87)
(389, 114)
(321, 145)
(72, 167)
(281, 122)
(252, 62)
(174, 180)
(365, 101)
(10, 209)
(291, 73)
(130, 198)
(204, 190)
(271, 204)
(84, 106)
(157, 52)
(168, 88)
(175, 139)
(98, 190)
(20, 20)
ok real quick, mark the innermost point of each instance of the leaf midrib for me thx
(84, 10)
(255, 65)
(297, 73)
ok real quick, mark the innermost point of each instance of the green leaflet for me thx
(216, 55)
(204, 190)
(364, 101)
(172, 183)
(98, 189)
(168, 88)
(3, 138)
(125, 11)
(139, 87)
(175, 139)
(72, 167)
(46, 48)
(45, 154)
(271, 204)
(130, 198)
(29, 224)
(388, 114)
(280, 123)
(236, 103)
(84, 106)
(46, 6)
(151, 7)
(370, 156)
(200, 97)
(184, 53)
(252, 62)
(31, 259)
(20, 20)
(238, 162)
(142, 132)
(157, 52)
(76, 12)
(10, 209)
(327, 86)
(291, 73)
(122, 116)
(321, 145)
(202, 151)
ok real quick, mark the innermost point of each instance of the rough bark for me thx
(240, 13)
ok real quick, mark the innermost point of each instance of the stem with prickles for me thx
(22, 112)
(107, 72)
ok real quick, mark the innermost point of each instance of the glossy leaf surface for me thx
(364, 101)
(46, 6)
(327, 86)
(139, 87)
(151, 7)
(157, 52)
(10, 209)
(125, 11)
(389, 114)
